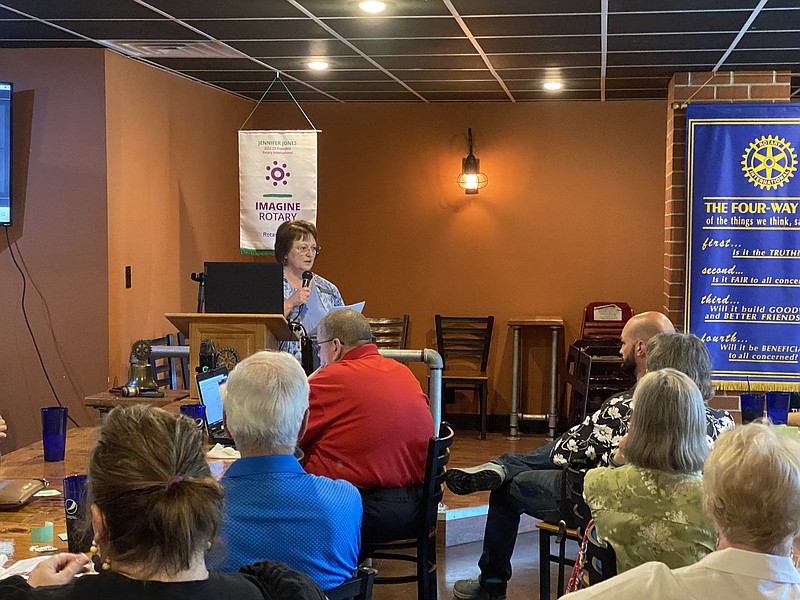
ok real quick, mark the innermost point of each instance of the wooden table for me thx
(29, 462)
(103, 401)
(556, 325)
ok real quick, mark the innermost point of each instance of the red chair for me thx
(605, 319)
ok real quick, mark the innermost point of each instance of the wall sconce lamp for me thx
(471, 179)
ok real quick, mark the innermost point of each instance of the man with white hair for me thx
(751, 491)
(274, 510)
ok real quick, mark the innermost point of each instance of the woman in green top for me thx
(650, 509)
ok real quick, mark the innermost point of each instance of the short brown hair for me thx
(290, 231)
(149, 477)
(348, 325)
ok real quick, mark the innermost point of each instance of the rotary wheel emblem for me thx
(227, 357)
(141, 350)
(769, 162)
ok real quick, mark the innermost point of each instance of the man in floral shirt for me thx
(531, 483)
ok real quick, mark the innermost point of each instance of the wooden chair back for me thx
(389, 332)
(465, 339)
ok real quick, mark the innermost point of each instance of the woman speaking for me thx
(296, 248)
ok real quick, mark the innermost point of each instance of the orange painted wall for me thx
(573, 213)
(173, 199)
(132, 166)
(59, 238)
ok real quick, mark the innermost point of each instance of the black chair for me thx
(183, 362)
(164, 371)
(600, 558)
(464, 344)
(594, 373)
(357, 588)
(389, 332)
(424, 544)
(574, 519)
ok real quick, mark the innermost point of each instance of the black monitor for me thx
(5, 153)
(239, 287)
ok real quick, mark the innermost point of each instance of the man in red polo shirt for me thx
(369, 423)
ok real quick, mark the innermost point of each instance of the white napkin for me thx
(223, 452)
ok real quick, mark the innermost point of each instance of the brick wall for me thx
(770, 86)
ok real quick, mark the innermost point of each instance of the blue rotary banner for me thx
(743, 242)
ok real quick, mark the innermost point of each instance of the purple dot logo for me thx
(277, 173)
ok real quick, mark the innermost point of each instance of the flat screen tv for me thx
(5, 153)
(241, 287)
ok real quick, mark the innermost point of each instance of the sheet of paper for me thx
(315, 311)
(358, 307)
(22, 567)
(222, 452)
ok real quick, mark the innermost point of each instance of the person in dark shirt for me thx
(155, 510)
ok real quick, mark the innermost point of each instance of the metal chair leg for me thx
(484, 393)
(544, 565)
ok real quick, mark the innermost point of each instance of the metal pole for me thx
(169, 351)
(435, 365)
(428, 356)
(553, 416)
(514, 417)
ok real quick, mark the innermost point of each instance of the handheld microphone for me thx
(306, 276)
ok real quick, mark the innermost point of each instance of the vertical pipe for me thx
(514, 417)
(553, 416)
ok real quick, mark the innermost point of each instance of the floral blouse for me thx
(330, 297)
(590, 443)
(649, 515)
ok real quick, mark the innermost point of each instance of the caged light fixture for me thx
(471, 179)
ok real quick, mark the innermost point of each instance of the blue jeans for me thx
(532, 486)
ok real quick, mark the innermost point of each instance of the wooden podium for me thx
(244, 333)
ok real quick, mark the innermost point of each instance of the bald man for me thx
(531, 483)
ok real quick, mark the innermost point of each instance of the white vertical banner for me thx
(277, 183)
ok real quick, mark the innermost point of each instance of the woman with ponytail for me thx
(155, 511)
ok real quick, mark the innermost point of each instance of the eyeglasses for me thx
(318, 344)
(305, 248)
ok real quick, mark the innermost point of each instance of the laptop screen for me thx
(208, 385)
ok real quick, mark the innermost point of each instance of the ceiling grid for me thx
(425, 50)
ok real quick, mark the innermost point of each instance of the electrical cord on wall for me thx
(28, 325)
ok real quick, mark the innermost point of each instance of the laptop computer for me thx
(244, 287)
(208, 386)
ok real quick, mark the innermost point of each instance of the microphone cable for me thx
(30, 330)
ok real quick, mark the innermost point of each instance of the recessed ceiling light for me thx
(553, 85)
(372, 6)
(317, 65)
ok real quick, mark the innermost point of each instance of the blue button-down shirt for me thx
(274, 510)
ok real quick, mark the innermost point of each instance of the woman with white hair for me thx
(650, 508)
(752, 493)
